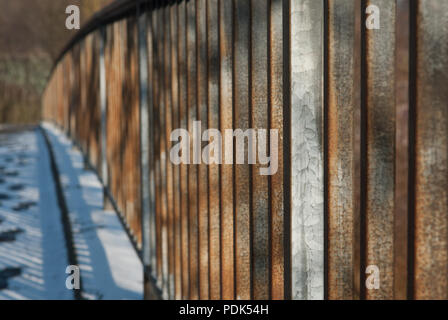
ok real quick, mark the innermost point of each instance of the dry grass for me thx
(32, 34)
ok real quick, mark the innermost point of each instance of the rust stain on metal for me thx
(431, 155)
(163, 154)
(242, 171)
(133, 132)
(151, 140)
(169, 166)
(260, 120)
(226, 122)
(176, 175)
(190, 29)
(380, 108)
(183, 168)
(401, 151)
(342, 107)
(157, 148)
(201, 40)
(276, 122)
(218, 231)
(214, 170)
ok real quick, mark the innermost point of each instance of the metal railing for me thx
(362, 120)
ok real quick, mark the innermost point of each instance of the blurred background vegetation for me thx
(32, 33)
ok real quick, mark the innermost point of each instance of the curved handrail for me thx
(109, 14)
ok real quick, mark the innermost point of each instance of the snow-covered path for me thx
(33, 255)
(33, 249)
(110, 267)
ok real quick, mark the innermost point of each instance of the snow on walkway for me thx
(33, 255)
(110, 267)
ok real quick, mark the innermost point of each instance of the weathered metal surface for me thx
(103, 105)
(214, 170)
(119, 168)
(134, 133)
(75, 99)
(342, 105)
(109, 55)
(157, 131)
(183, 167)
(401, 223)
(161, 34)
(380, 148)
(431, 151)
(243, 186)
(307, 183)
(92, 136)
(203, 219)
(144, 140)
(363, 188)
(87, 133)
(226, 122)
(276, 65)
(176, 169)
(114, 74)
(151, 148)
(260, 121)
(81, 131)
(190, 29)
(169, 166)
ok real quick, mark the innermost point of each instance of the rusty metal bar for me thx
(157, 161)
(276, 65)
(134, 133)
(81, 126)
(183, 167)
(144, 136)
(243, 185)
(380, 140)
(94, 140)
(431, 151)
(361, 120)
(176, 175)
(151, 147)
(260, 121)
(192, 112)
(342, 105)
(161, 35)
(120, 182)
(213, 56)
(93, 125)
(201, 42)
(169, 167)
(226, 83)
(103, 106)
(145, 144)
(401, 234)
(108, 58)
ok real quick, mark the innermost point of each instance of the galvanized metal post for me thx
(307, 178)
